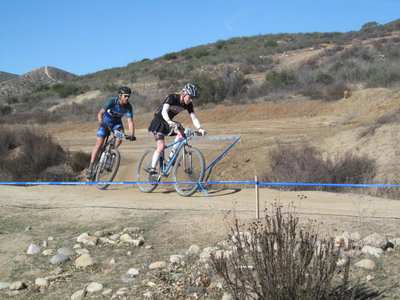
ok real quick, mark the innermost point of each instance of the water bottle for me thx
(102, 158)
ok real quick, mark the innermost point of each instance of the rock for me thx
(86, 239)
(128, 280)
(122, 292)
(355, 236)
(33, 249)
(135, 230)
(137, 243)
(106, 292)
(17, 285)
(59, 258)
(193, 250)
(48, 252)
(56, 271)
(115, 237)
(41, 282)
(176, 258)
(226, 296)
(133, 272)
(78, 295)
(376, 240)
(102, 233)
(366, 264)
(125, 237)
(94, 287)
(84, 261)
(4, 285)
(82, 251)
(66, 251)
(158, 265)
(372, 251)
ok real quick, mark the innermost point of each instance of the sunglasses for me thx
(125, 95)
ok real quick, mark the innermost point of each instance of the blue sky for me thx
(86, 36)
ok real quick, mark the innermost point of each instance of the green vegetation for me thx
(221, 72)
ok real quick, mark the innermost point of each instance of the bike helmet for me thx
(190, 89)
(124, 90)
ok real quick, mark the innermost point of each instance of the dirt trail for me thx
(205, 218)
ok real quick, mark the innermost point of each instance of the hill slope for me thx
(27, 82)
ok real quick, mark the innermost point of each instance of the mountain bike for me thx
(187, 165)
(106, 166)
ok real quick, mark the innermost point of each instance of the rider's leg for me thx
(95, 153)
(157, 153)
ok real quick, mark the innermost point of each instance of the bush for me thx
(65, 90)
(275, 80)
(305, 165)
(25, 155)
(275, 260)
(335, 91)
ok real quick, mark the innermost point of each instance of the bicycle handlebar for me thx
(185, 132)
(116, 132)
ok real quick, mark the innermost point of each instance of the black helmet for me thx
(190, 89)
(124, 90)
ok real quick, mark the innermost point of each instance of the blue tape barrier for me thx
(199, 183)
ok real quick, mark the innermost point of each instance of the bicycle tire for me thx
(193, 172)
(142, 171)
(107, 173)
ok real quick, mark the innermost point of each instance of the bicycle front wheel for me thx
(143, 175)
(189, 169)
(108, 170)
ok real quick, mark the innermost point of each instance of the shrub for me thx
(5, 109)
(335, 91)
(275, 80)
(276, 260)
(170, 56)
(305, 165)
(65, 90)
(32, 153)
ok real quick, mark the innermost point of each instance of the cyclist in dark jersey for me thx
(162, 123)
(110, 116)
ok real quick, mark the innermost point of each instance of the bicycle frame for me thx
(166, 168)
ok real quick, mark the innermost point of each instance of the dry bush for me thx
(276, 260)
(26, 154)
(305, 165)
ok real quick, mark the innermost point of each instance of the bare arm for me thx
(100, 115)
(131, 126)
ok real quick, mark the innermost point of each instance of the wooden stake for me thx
(257, 200)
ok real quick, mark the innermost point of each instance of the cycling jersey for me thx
(159, 125)
(176, 106)
(112, 116)
(114, 110)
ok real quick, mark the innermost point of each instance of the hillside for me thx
(4, 76)
(26, 83)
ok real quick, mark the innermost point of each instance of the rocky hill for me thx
(4, 76)
(28, 82)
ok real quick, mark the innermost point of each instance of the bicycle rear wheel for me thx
(108, 170)
(142, 173)
(189, 169)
